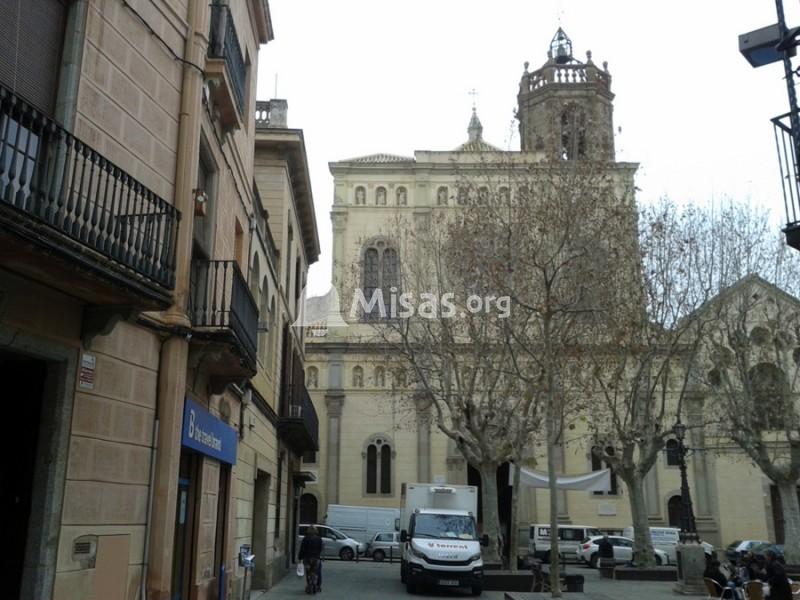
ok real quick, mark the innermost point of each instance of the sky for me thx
(367, 76)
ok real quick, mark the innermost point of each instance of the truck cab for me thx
(440, 542)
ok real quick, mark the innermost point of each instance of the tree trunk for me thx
(555, 583)
(643, 555)
(513, 529)
(791, 521)
(491, 521)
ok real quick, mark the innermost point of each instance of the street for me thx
(368, 580)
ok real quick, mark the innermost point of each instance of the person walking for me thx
(310, 553)
(779, 588)
(605, 552)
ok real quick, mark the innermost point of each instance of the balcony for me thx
(226, 70)
(224, 320)
(790, 177)
(72, 218)
(297, 419)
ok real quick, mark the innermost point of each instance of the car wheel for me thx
(378, 555)
(346, 553)
(593, 561)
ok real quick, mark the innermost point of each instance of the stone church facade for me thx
(372, 438)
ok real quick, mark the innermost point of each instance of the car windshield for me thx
(454, 527)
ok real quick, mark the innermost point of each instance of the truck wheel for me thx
(477, 590)
(378, 555)
(593, 561)
(346, 554)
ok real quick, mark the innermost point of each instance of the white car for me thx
(588, 551)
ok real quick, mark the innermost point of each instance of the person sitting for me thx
(779, 588)
(713, 572)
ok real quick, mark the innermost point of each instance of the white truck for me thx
(362, 522)
(439, 537)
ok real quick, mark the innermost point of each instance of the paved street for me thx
(375, 581)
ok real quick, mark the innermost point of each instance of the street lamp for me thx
(688, 527)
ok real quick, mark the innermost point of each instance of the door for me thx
(623, 550)
(184, 525)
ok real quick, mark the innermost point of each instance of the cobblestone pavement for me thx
(368, 580)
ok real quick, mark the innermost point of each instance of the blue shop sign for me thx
(205, 433)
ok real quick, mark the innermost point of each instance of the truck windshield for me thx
(458, 527)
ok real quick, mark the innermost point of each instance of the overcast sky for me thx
(366, 76)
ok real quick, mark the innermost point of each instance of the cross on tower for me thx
(474, 93)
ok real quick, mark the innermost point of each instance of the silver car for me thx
(334, 542)
(383, 544)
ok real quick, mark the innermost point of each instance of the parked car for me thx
(759, 549)
(569, 536)
(383, 544)
(667, 539)
(362, 522)
(738, 548)
(588, 550)
(335, 543)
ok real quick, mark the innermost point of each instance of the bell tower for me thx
(565, 107)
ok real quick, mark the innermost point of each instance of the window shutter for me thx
(31, 42)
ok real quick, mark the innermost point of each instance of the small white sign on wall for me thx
(86, 374)
(607, 509)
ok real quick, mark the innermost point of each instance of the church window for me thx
(597, 465)
(378, 462)
(463, 196)
(504, 195)
(573, 134)
(358, 377)
(361, 195)
(441, 196)
(400, 378)
(381, 277)
(380, 377)
(380, 196)
(673, 455)
(402, 196)
(483, 195)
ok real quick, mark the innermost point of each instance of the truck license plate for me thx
(448, 582)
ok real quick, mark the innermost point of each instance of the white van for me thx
(362, 522)
(666, 539)
(569, 540)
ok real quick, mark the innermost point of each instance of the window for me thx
(463, 196)
(400, 379)
(310, 457)
(380, 377)
(673, 456)
(361, 195)
(358, 377)
(312, 378)
(263, 322)
(597, 465)
(573, 134)
(402, 196)
(380, 196)
(381, 274)
(505, 195)
(378, 458)
(483, 195)
(441, 196)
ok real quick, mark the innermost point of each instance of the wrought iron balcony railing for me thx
(49, 175)
(298, 420)
(220, 300)
(790, 177)
(224, 44)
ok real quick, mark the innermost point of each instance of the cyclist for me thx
(310, 553)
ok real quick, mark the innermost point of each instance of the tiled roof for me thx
(380, 158)
(478, 145)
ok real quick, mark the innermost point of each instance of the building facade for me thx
(375, 437)
(146, 294)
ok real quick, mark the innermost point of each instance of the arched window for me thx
(255, 275)
(769, 394)
(312, 378)
(361, 195)
(504, 195)
(308, 508)
(380, 377)
(381, 274)
(573, 134)
(463, 196)
(263, 321)
(673, 456)
(483, 195)
(402, 196)
(358, 377)
(400, 379)
(378, 458)
(380, 196)
(271, 336)
(441, 196)
(597, 465)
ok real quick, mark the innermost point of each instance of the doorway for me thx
(184, 526)
(308, 508)
(24, 379)
(674, 512)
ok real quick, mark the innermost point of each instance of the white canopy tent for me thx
(596, 481)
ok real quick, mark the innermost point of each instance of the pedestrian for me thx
(310, 553)
(779, 588)
(605, 551)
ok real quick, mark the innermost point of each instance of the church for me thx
(372, 440)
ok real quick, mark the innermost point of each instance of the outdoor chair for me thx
(713, 588)
(754, 590)
(796, 590)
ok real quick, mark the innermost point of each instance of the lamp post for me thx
(688, 527)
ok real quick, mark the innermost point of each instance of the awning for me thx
(596, 481)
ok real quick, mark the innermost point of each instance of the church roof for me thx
(380, 158)
(476, 143)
